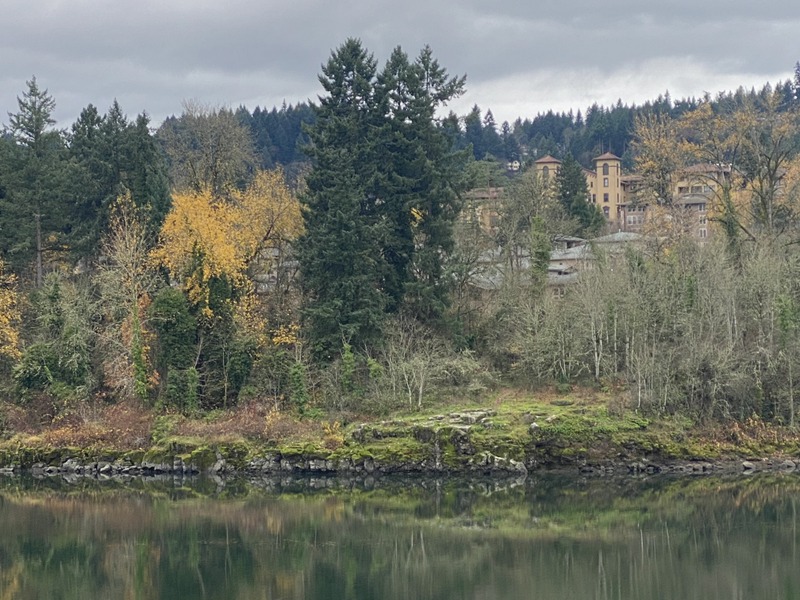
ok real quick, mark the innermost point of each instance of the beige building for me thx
(604, 183)
(618, 194)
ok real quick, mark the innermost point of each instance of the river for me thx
(547, 537)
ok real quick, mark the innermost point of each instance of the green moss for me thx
(202, 458)
(397, 450)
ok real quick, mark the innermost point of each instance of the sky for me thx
(521, 57)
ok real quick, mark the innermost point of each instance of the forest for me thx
(320, 258)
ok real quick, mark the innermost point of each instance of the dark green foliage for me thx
(39, 187)
(541, 246)
(573, 195)
(339, 254)
(176, 329)
(64, 340)
(35, 369)
(212, 347)
(224, 363)
(473, 133)
(380, 202)
(511, 150)
(56, 188)
(278, 134)
(182, 389)
(114, 156)
(298, 386)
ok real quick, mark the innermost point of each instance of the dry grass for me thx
(125, 425)
(129, 425)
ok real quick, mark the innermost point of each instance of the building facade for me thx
(619, 195)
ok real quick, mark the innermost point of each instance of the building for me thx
(619, 195)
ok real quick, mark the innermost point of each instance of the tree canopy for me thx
(381, 197)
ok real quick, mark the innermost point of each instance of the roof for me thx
(705, 168)
(608, 156)
(618, 237)
(574, 253)
(547, 159)
(567, 238)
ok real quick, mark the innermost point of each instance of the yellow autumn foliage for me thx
(204, 237)
(9, 315)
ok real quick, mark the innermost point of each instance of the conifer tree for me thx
(39, 189)
(573, 194)
(432, 174)
(381, 201)
(340, 257)
(115, 157)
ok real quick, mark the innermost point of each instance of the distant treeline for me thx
(279, 138)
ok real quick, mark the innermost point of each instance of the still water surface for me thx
(550, 537)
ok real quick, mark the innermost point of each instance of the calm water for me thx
(547, 538)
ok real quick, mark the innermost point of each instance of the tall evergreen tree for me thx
(380, 203)
(114, 156)
(473, 133)
(34, 214)
(492, 142)
(435, 185)
(340, 252)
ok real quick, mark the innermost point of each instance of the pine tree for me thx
(341, 263)
(40, 186)
(381, 200)
(31, 125)
(435, 177)
(114, 157)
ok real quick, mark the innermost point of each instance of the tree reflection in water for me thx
(551, 537)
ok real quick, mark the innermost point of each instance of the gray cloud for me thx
(520, 57)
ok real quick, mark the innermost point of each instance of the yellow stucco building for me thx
(618, 195)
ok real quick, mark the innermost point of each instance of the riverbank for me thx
(509, 434)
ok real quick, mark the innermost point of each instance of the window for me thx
(594, 198)
(702, 233)
(697, 189)
(605, 211)
(605, 198)
(683, 189)
(605, 181)
(605, 168)
(702, 208)
(545, 172)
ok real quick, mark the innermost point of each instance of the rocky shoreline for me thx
(475, 443)
(277, 465)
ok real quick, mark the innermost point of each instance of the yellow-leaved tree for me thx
(9, 316)
(206, 238)
(217, 249)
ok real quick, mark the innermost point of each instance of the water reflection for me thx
(552, 537)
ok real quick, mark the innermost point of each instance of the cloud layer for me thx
(520, 58)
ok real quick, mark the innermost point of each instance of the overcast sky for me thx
(521, 57)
